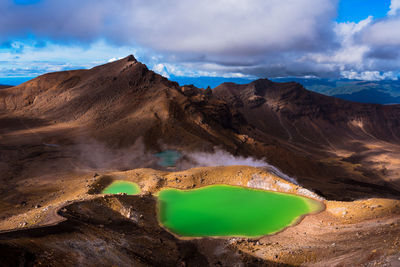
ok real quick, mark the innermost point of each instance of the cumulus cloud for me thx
(382, 37)
(161, 69)
(351, 52)
(384, 33)
(254, 38)
(205, 27)
(394, 7)
(229, 27)
(369, 50)
(226, 32)
(369, 75)
(42, 57)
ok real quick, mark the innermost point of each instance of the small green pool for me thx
(223, 210)
(168, 158)
(118, 187)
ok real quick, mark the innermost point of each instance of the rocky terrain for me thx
(352, 145)
(65, 135)
(4, 86)
(123, 230)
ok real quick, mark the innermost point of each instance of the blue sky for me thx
(356, 10)
(357, 39)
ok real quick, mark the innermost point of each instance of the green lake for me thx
(118, 187)
(223, 210)
(168, 158)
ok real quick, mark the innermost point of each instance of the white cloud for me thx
(394, 7)
(383, 33)
(199, 69)
(230, 38)
(351, 52)
(229, 27)
(368, 50)
(223, 30)
(161, 69)
(33, 60)
(370, 75)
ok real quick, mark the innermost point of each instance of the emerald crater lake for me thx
(168, 158)
(125, 187)
(223, 210)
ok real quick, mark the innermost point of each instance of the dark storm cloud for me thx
(255, 37)
(384, 53)
(60, 20)
(219, 31)
(224, 27)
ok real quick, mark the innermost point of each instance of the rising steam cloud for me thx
(223, 158)
(97, 156)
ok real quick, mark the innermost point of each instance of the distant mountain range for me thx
(370, 96)
(375, 92)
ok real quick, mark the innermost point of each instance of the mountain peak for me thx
(262, 81)
(130, 58)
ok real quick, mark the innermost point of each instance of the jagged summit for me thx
(131, 58)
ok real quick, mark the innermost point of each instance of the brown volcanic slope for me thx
(342, 150)
(121, 230)
(343, 146)
(117, 103)
(4, 86)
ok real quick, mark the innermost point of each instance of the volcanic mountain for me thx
(340, 149)
(66, 135)
(353, 146)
